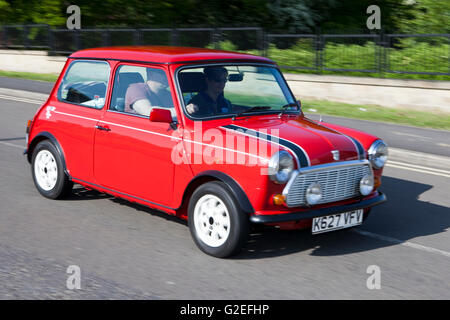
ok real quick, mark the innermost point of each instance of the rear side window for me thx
(85, 83)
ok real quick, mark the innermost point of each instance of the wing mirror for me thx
(163, 115)
(160, 115)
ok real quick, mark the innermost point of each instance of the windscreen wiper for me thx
(252, 109)
(287, 106)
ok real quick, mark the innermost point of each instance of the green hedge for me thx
(408, 55)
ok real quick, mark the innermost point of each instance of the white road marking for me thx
(415, 136)
(21, 99)
(418, 167)
(427, 170)
(443, 144)
(403, 243)
(12, 145)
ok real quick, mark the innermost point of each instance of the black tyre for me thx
(218, 225)
(48, 171)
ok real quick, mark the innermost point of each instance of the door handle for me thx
(102, 128)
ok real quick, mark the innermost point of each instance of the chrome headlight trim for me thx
(281, 166)
(378, 153)
(314, 193)
(366, 185)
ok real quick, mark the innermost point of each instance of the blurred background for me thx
(303, 36)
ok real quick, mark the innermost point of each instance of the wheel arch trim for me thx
(234, 187)
(44, 135)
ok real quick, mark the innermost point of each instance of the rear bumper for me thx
(304, 215)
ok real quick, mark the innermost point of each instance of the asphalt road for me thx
(127, 251)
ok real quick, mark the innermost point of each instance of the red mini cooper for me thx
(216, 138)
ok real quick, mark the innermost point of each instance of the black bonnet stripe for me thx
(361, 152)
(299, 153)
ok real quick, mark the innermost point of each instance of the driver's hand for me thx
(192, 108)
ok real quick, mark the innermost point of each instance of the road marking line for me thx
(418, 167)
(418, 170)
(12, 145)
(443, 144)
(21, 99)
(403, 243)
(410, 135)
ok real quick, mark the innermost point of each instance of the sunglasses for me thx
(220, 80)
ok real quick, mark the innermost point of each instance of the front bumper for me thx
(304, 215)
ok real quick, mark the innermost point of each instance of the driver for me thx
(211, 101)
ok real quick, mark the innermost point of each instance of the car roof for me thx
(165, 54)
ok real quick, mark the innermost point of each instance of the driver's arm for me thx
(142, 107)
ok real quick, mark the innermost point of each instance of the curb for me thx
(39, 97)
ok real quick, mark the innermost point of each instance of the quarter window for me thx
(85, 83)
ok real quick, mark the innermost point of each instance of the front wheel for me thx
(216, 221)
(48, 172)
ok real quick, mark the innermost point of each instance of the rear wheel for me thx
(48, 171)
(216, 221)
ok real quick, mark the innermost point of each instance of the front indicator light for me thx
(29, 123)
(377, 182)
(279, 199)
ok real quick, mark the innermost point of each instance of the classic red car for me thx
(210, 136)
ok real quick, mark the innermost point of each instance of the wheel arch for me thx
(46, 136)
(212, 175)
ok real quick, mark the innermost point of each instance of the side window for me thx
(85, 83)
(139, 89)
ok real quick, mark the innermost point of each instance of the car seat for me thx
(122, 82)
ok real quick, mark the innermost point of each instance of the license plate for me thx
(337, 221)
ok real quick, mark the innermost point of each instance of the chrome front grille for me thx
(339, 181)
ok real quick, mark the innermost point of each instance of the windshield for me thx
(234, 90)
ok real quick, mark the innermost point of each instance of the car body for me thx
(222, 171)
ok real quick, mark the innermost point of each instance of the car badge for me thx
(335, 154)
(48, 114)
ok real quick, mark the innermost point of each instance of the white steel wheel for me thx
(212, 220)
(46, 170)
(217, 223)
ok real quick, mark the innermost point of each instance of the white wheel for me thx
(46, 170)
(212, 220)
(218, 225)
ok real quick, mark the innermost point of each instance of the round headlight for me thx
(281, 166)
(366, 185)
(314, 193)
(378, 153)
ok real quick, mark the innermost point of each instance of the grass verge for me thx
(30, 76)
(435, 120)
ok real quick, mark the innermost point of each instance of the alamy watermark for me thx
(214, 146)
(374, 20)
(374, 280)
(73, 282)
(74, 20)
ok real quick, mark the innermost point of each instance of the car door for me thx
(132, 155)
(74, 112)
